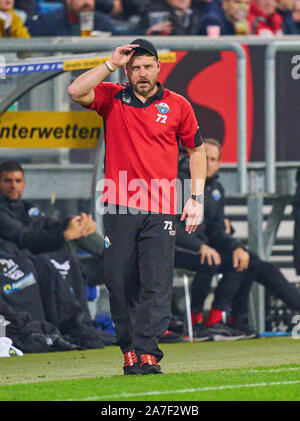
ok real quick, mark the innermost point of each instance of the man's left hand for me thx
(193, 211)
(88, 225)
(240, 259)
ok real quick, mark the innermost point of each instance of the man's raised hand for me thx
(122, 55)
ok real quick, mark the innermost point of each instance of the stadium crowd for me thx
(22, 19)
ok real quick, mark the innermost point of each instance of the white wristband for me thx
(109, 66)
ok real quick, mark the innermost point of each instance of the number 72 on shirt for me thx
(161, 118)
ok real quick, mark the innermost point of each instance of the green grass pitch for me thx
(264, 369)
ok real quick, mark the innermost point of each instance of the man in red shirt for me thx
(143, 123)
(264, 20)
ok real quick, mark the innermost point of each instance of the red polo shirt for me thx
(141, 141)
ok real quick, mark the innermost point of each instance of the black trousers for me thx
(296, 214)
(138, 272)
(227, 286)
(93, 270)
(269, 275)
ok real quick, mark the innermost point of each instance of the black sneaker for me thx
(247, 331)
(149, 365)
(171, 337)
(176, 325)
(240, 322)
(131, 365)
(223, 332)
(201, 333)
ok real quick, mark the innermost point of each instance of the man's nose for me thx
(142, 72)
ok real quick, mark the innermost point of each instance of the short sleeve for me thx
(189, 132)
(103, 98)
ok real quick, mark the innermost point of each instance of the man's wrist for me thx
(198, 197)
(110, 66)
(200, 249)
(66, 235)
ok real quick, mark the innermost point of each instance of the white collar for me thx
(7, 17)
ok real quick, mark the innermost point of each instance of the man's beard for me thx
(146, 89)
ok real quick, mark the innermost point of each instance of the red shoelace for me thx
(148, 359)
(130, 358)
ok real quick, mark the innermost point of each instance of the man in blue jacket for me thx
(203, 253)
(25, 225)
(65, 21)
(223, 20)
(210, 251)
(285, 9)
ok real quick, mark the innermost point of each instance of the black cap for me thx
(145, 45)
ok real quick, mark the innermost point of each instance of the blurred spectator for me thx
(199, 5)
(111, 7)
(19, 215)
(135, 7)
(209, 251)
(264, 20)
(171, 17)
(231, 19)
(285, 8)
(209, 242)
(52, 246)
(296, 15)
(27, 6)
(123, 9)
(65, 21)
(23, 224)
(11, 25)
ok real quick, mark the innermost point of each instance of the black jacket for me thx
(178, 29)
(57, 23)
(212, 230)
(130, 7)
(26, 226)
(28, 6)
(296, 213)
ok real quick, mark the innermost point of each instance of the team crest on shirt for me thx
(163, 108)
(216, 194)
(126, 99)
(34, 211)
(107, 242)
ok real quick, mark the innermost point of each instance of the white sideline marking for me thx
(200, 389)
(274, 370)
